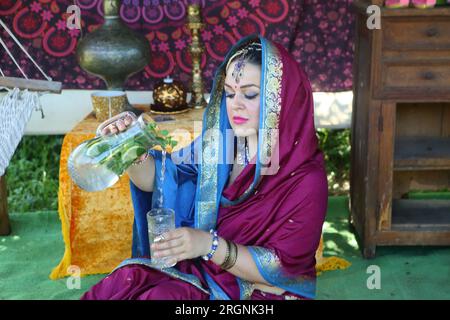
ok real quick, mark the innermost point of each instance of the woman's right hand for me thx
(120, 125)
(117, 126)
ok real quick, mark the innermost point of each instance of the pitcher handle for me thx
(115, 118)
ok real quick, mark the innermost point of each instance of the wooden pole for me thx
(31, 84)
(5, 228)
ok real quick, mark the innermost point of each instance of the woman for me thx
(265, 196)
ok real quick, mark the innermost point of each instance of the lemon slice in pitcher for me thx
(133, 153)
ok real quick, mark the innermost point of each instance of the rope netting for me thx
(15, 112)
(16, 108)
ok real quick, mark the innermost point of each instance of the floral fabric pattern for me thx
(318, 33)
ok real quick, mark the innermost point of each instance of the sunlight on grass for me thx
(347, 236)
(328, 228)
(332, 246)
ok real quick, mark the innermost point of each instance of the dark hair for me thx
(251, 53)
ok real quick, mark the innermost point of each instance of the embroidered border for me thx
(269, 265)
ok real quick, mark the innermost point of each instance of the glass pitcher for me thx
(98, 163)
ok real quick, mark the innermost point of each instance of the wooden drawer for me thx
(405, 80)
(416, 33)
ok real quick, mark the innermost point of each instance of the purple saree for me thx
(276, 206)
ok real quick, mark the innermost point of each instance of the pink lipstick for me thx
(239, 120)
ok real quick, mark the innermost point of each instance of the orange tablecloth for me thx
(97, 226)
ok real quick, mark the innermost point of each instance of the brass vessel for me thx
(113, 52)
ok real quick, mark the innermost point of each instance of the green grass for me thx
(32, 176)
(335, 145)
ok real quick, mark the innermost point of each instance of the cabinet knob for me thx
(432, 32)
(428, 75)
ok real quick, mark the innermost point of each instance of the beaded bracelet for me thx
(215, 244)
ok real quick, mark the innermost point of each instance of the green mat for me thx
(36, 246)
(29, 254)
(420, 272)
(425, 195)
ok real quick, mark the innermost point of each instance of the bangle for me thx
(227, 255)
(215, 244)
(232, 258)
(141, 161)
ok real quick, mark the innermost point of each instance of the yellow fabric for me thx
(331, 263)
(97, 226)
(328, 263)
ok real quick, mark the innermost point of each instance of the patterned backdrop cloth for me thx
(318, 33)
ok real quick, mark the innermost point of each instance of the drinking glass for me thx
(160, 220)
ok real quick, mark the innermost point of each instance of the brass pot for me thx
(113, 52)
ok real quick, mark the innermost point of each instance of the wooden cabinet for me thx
(401, 128)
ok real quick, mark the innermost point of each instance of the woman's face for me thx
(242, 99)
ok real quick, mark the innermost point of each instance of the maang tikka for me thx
(238, 67)
(240, 64)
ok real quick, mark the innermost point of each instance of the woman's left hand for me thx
(182, 243)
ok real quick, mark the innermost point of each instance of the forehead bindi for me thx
(242, 86)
